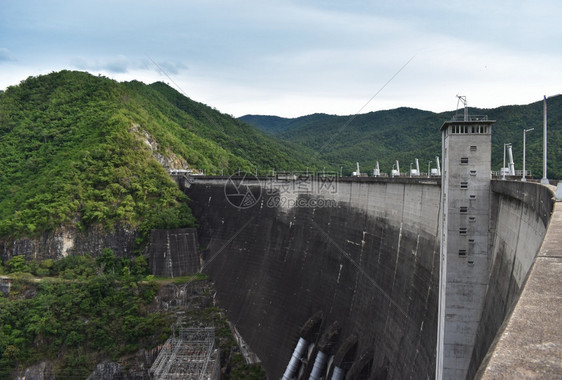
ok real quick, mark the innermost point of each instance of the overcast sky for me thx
(292, 58)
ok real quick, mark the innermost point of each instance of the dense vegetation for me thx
(405, 134)
(260, 152)
(79, 311)
(67, 156)
(74, 150)
(87, 310)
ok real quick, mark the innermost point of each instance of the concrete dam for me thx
(340, 279)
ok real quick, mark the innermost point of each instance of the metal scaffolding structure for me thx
(189, 353)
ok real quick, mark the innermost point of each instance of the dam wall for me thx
(521, 213)
(363, 255)
(174, 253)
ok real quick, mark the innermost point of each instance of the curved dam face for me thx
(357, 266)
(362, 256)
(521, 218)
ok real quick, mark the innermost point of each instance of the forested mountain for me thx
(81, 150)
(405, 134)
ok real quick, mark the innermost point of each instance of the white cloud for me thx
(292, 57)
(116, 65)
(122, 65)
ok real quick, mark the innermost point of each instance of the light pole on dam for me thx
(464, 219)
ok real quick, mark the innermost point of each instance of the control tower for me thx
(464, 221)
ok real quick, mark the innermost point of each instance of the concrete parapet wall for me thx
(529, 345)
(520, 217)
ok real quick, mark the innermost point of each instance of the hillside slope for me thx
(80, 150)
(405, 134)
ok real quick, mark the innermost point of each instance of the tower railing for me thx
(470, 118)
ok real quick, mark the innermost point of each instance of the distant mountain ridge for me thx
(404, 134)
(278, 126)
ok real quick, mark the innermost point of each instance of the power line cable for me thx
(361, 109)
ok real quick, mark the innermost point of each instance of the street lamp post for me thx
(503, 167)
(523, 179)
(544, 179)
(428, 168)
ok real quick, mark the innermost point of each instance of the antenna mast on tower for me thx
(462, 99)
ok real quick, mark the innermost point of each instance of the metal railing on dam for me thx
(369, 261)
(186, 180)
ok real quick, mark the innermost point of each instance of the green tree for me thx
(17, 264)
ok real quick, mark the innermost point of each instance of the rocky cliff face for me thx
(106, 371)
(5, 285)
(67, 241)
(169, 160)
(41, 371)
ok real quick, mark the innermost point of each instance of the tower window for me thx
(472, 196)
(464, 185)
(463, 231)
(473, 148)
(462, 252)
(472, 219)
(464, 160)
(464, 209)
(473, 172)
